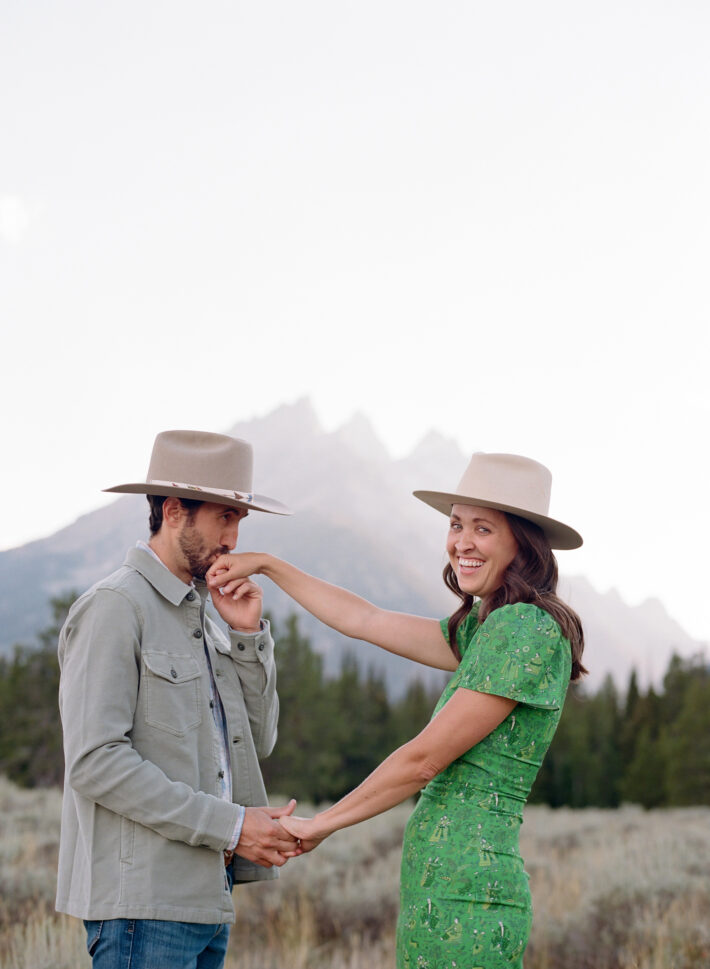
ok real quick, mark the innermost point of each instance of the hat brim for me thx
(560, 536)
(253, 502)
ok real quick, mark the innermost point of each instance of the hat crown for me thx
(210, 461)
(507, 479)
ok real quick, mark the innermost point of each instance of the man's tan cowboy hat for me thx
(205, 467)
(510, 483)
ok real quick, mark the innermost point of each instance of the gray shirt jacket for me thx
(143, 826)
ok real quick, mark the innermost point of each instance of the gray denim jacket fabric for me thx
(143, 828)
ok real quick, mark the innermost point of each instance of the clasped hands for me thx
(270, 836)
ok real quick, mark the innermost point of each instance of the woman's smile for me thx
(469, 564)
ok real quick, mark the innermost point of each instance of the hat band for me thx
(246, 496)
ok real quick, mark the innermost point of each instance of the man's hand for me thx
(241, 607)
(263, 840)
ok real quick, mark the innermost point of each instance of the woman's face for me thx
(480, 546)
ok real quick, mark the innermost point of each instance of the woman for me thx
(513, 647)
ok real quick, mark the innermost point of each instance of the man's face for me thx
(210, 531)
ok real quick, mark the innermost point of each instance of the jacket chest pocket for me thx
(171, 687)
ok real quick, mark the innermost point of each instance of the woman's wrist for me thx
(323, 826)
(267, 564)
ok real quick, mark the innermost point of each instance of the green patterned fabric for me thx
(465, 899)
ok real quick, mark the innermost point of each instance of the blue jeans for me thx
(156, 944)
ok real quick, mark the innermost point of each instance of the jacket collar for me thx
(159, 575)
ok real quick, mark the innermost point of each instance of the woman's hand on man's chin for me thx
(228, 571)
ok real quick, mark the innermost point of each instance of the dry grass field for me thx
(622, 889)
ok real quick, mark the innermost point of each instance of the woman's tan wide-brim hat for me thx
(510, 483)
(205, 467)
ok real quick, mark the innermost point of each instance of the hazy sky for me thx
(491, 219)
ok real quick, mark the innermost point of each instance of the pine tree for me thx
(604, 728)
(305, 758)
(687, 749)
(628, 729)
(560, 780)
(30, 727)
(363, 726)
(632, 696)
(643, 775)
(643, 781)
(412, 712)
(681, 673)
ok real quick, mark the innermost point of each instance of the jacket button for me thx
(173, 673)
(190, 596)
(197, 634)
(241, 646)
(261, 645)
(220, 774)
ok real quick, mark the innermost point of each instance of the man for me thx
(164, 719)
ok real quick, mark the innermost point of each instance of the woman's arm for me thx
(415, 637)
(463, 722)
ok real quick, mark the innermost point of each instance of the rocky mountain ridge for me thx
(355, 523)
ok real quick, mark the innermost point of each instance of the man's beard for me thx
(197, 556)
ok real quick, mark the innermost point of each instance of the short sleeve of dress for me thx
(519, 652)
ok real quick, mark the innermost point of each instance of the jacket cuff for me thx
(225, 816)
(253, 647)
(236, 835)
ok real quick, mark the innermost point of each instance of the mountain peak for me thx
(359, 436)
(287, 420)
(435, 462)
(434, 446)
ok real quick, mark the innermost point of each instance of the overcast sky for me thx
(490, 219)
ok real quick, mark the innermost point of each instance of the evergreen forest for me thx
(647, 747)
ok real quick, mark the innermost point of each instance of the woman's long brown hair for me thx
(530, 577)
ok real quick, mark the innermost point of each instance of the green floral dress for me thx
(465, 899)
